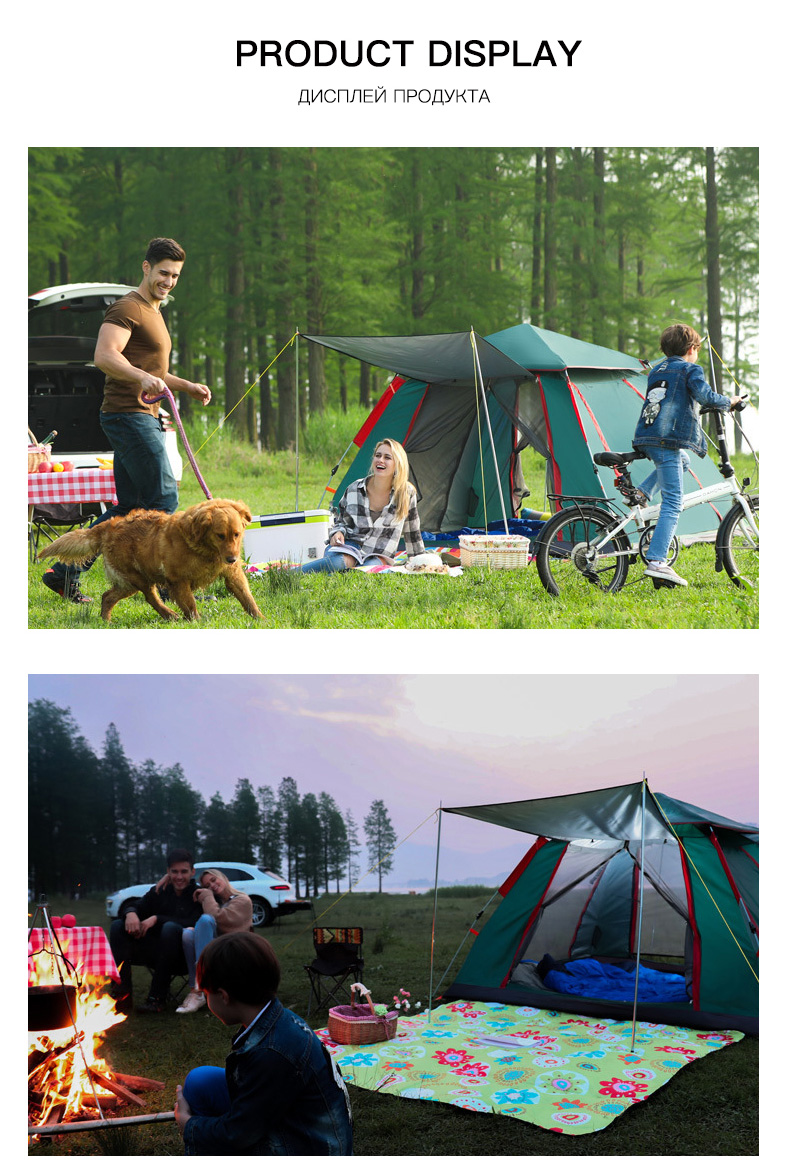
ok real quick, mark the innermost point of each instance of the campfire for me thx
(68, 1081)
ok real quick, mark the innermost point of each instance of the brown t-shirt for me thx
(148, 348)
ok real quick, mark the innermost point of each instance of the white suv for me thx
(270, 893)
(65, 389)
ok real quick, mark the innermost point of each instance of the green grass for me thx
(709, 1108)
(478, 599)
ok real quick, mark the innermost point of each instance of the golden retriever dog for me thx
(146, 549)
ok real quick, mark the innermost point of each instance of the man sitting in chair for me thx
(150, 933)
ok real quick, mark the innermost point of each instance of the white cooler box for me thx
(300, 536)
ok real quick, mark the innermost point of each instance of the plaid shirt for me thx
(382, 536)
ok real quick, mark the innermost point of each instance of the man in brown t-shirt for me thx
(133, 351)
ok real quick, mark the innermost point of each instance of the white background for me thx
(98, 74)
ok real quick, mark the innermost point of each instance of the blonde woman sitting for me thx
(374, 514)
(225, 909)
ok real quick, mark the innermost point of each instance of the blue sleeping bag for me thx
(588, 977)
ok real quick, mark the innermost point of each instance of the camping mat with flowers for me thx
(566, 1073)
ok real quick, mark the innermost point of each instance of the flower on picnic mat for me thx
(515, 1097)
(618, 1088)
(452, 1057)
(472, 1069)
(689, 1054)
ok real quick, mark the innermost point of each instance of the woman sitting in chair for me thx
(225, 909)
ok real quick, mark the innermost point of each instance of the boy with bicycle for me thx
(668, 426)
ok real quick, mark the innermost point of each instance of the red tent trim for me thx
(696, 958)
(538, 905)
(556, 474)
(376, 412)
(730, 879)
(593, 418)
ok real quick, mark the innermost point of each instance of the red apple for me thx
(56, 921)
(69, 921)
(67, 465)
(45, 468)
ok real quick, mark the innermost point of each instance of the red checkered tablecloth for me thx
(71, 486)
(85, 947)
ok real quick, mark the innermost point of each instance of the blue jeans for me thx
(141, 467)
(333, 560)
(195, 939)
(668, 475)
(205, 1091)
(651, 481)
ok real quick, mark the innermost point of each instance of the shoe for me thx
(641, 498)
(152, 1005)
(67, 589)
(665, 573)
(192, 1002)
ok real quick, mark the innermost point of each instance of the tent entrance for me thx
(591, 906)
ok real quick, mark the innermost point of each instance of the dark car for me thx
(65, 388)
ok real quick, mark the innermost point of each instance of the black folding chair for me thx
(45, 519)
(338, 957)
(179, 982)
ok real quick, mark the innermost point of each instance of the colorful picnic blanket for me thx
(398, 565)
(566, 1073)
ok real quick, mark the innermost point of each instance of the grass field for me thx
(479, 599)
(709, 1108)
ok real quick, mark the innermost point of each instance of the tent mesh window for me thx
(590, 906)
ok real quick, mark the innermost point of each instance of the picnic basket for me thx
(36, 454)
(358, 1024)
(500, 552)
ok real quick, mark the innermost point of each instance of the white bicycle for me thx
(586, 542)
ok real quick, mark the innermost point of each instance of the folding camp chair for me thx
(338, 957)
(44, 519)
(179, 982)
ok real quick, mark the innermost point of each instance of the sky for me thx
(417, 742)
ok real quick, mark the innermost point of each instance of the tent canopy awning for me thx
(443, 359)
(541, 350)
(614, 813)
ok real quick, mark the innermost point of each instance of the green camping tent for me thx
(564, 397)
(578, 894)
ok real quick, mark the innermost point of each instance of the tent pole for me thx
(296, 441)
(435, 901)
(490, 431)
(639, 917)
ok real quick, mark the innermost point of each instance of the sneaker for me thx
(192, 1002)
(67, 589)
(663, 571)
(152, 1004)
(641, 498)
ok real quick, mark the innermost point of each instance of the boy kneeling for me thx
(280, 1092)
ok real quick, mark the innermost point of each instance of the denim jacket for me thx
(286, 1095)
(676, 389)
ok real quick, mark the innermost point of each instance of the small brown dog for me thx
(183, 551)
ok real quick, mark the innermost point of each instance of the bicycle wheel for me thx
(574, 553)
(738, 544)
(672, 552)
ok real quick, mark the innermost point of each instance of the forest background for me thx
(605, 244)
(98, 821)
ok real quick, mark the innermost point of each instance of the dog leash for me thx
(167, 393)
